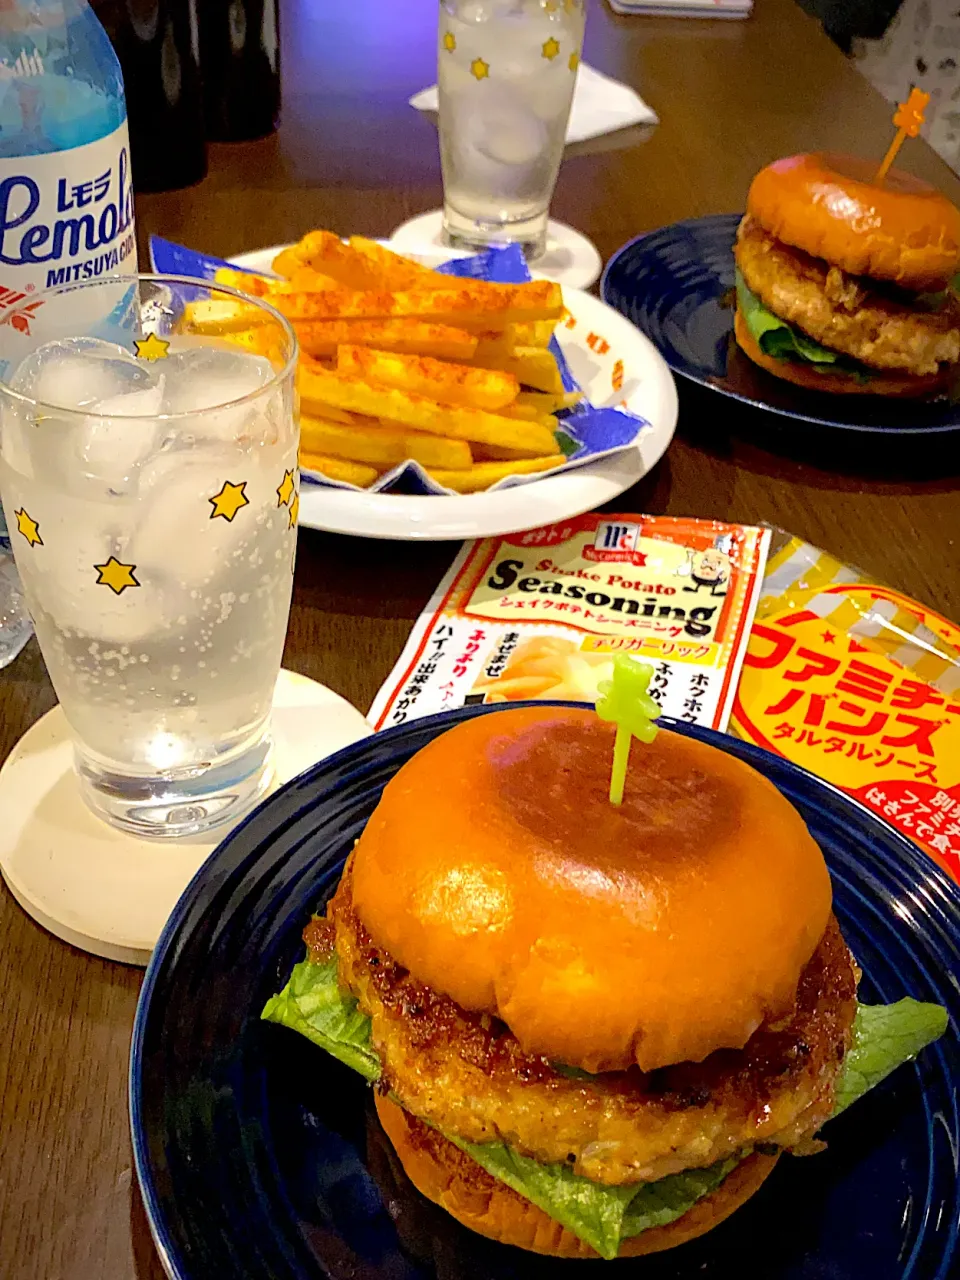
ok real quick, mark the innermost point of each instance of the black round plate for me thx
(677, 286)
(257, 1154)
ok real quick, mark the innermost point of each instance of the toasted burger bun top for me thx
(904, 231)
(882, 382)
(496, 870)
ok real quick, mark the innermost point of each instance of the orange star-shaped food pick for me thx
(286, 489)
(909, 115)
(550, 49)
(29, 528)
(116, 576)
(230, 499)
(480, 69)
(151, 347)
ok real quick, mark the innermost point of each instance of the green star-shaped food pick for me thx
(624, 700)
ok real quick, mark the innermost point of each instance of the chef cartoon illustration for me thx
(709, 569)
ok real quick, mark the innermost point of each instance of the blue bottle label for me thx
(65, 216)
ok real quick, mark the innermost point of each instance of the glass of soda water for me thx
(506, 74)
(148, 468)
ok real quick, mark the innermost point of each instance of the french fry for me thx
(448, 383)
(526, 413)
(412, 337)
(533, 333)
(339, 469)
(381, 446)
(220, 316)
(392, 270)
(246, 281)
(547, 402)
(480, 307)
(287, 261)
(484, 474)
(533, 366)
(320, 386)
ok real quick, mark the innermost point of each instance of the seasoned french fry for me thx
(483, 474)
(246, 281)
(392, 270)
(220, 315)
(480, 307)
(320, 386)
(448, 383)
(534, 333)
(329, 412)
(413, 337)
(381, 446)
(547, 402)
(533, 366)
(339, 469)
(287, 262)
(525, 413)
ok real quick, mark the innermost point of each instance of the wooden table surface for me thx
(352, 156)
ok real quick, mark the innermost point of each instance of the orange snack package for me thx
(860, 685)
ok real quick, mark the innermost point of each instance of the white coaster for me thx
(570, 258)
(104, 890)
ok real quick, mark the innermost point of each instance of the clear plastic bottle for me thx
(66, 195)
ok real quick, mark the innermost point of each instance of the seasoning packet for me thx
(860, 685)
(541, 614)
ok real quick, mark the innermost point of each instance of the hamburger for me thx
(843, 284)
(591, 1030)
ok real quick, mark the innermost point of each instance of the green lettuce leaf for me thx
(313, 1004)
(783, 341)
(592, 1212)
(884, 1037)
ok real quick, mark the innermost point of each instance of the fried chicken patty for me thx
(466, 1073)
(843, 312)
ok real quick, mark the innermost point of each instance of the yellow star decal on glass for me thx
(116, 576)
(550, 6)
(574, 61)
(286, 490)
(550, 48)
(152, 348)
(480, 69)
(294, 510)
(229, 500)
(29, 528)
(449, 41)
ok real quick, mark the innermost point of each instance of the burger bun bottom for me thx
(884, 382)
(447, 1176)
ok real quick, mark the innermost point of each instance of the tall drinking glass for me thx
(506, 75)
(148, 466)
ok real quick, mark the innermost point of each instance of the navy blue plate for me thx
(257, 1154)
(676, 285)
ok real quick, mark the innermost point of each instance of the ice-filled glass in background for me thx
(148, 468)
(506, 73)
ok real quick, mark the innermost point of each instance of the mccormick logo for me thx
(616, 542)
(27, 64)
(12, 309)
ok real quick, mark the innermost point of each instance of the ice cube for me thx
(199, 379)
(77, 537)
(112, 444)
(179, 534)
(75, 373)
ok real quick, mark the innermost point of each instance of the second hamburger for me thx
(842, 285)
